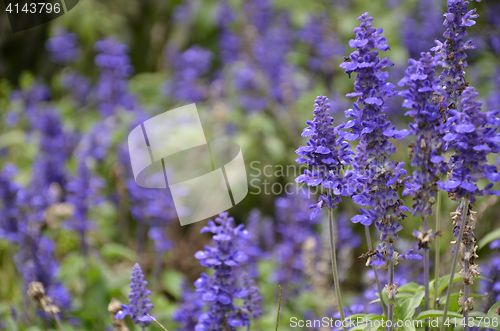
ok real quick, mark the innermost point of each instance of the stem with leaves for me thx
(465, 210)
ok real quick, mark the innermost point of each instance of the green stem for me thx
(279, 308)
(390, 314)
(425, 228)
(335, 270)
(437, 257)
(370, 247)
(58, 321)
(154, 319)
(465, 210)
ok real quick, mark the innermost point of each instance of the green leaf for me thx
(443, 282)
(172, 282)
(407, 308)
(436, 313)
(493, 309)
(112, 250)
(410, 287)
(488, 238)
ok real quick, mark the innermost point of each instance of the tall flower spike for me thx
(428, 126)
(326, 154)
(63, 47)
(377, 178)
(114, 64)
(452, 52)
(139, 306)
(472, 136)
(189, 310)
(220, 290)
(9, 211)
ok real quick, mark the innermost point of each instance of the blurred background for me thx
(72, 89)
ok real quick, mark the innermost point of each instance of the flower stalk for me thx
(465, 209)
(437, 256)
(379, 288)
(334, 268)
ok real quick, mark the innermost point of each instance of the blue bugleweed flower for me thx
(189, 67)
(323, 42)
(63, 47)
(270, 52)
(229, 42)
(326, 154)
(422, 27)
(83, 193)
(221, 289)
(472, 136)
(428, 125)
(139, 306)
(376, 178)
(250, 85)
(35, 256)
(32, 101)
(493, 101)
(452, 52)
(294, 226)
(112, 91)
(471, 132)
(260, 14)
(254, 248)
(190, 309)
(77, 85)
(9, 211)
(250, 296)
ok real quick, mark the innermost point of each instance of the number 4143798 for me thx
(32, 8)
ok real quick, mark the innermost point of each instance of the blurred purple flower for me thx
(111, 91)
(139, 307)
(63, 47)
(221, 289)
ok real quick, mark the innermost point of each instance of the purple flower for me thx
(63, 47)
(270, 53)
(421, 28)
(259, 13)
(324, 45)
(452, 51)
(327, 153)
(9, 212)
(429, 127)
(189, 67)
(376, 178)
(221, 289)
(111, 91)
(139, 306)
(294, 226)
(83, 192)
(229, 42)
(472, 136)
(190, 309)
(78, 85)
(491, 271)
